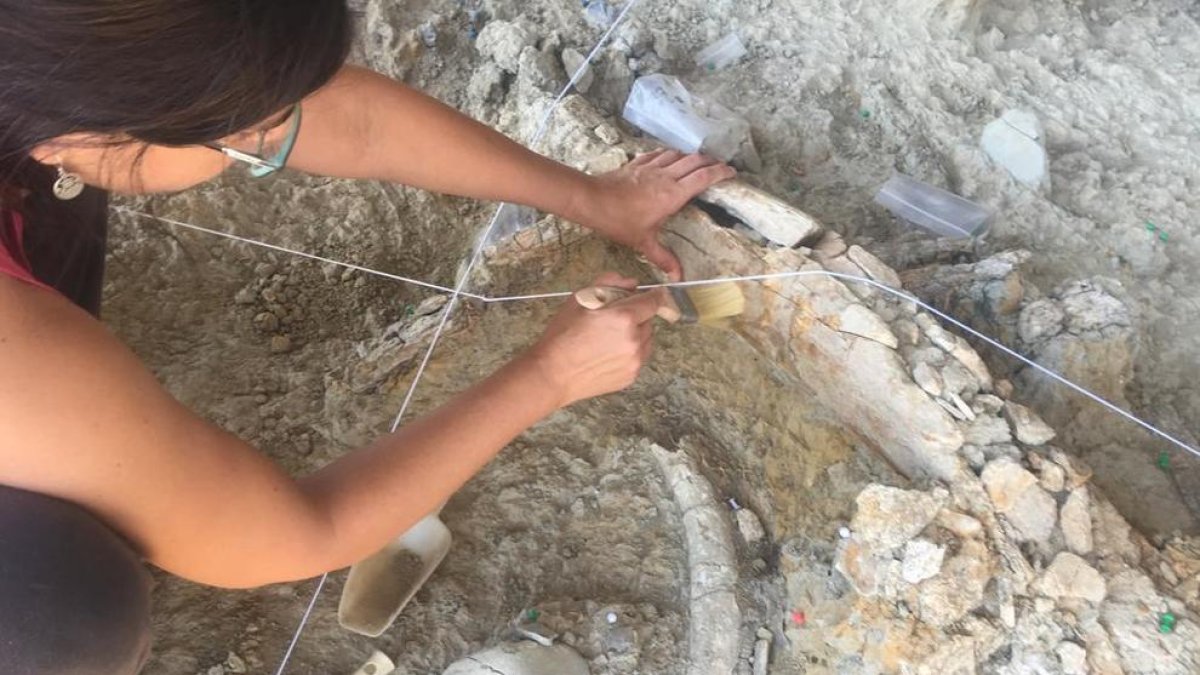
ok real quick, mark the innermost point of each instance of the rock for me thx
(762, 656)
(246, 296)
(1077, 472)
(1040, 320)
(572, 60)
(874, 267)
(236, 664)
(959, 380)
(773, 219)
(1072, 658)
(266, 322)
(1005, 482)
(858, 320)
(1052, 477)
(956, 347)
(503, 42)
(1075, 518)
(1016, 494)
(974, 456)
(922, 560)
(1069, 576)
(888, 517)
(1090, 308)
(750, 526)
(281, 344)
(1014, 142)
(959, 588)
(960, 524)
(1111, 534)
(486, 84)
(1004, 388)
(1029, 428)
(907, 331)
(965, 411)
(521, 658)
(608, 134)
(987, 404)
(870, 571)
(928, 379)
(831, 245)
(988, 430)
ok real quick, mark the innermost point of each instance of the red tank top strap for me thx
(13, 262)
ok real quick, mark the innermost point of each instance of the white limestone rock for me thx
(1016, 494)
(1075, 519)
(922, 560)
(1071, 577)
(503, 42)
(888, 517)
(1015, 142)
(1029, 428)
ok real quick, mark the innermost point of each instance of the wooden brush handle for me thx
(599, 297)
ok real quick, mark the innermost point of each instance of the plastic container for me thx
(722, 53)
(661, 106)
(934, 209)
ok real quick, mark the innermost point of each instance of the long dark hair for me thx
(163, 72)
(169, 72)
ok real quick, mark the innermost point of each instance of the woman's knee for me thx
(75, 596)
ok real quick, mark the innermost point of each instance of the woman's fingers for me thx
(688, 164)
(701, 179)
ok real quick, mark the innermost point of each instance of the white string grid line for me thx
(464, 279)
(1061, 379)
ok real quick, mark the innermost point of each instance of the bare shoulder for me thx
(78, 411)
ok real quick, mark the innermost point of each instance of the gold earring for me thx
(68, 186)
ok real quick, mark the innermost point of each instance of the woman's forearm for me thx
(377, 493)
(365, 125)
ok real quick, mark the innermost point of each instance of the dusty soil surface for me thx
(571, 520)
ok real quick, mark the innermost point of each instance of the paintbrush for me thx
(708, 303)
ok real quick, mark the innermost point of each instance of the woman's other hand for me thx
(630, 205)
(586, 353)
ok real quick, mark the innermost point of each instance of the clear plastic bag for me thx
(932, 208)
(661, 106)
(722, 53)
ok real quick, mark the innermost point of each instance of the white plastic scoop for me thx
(379, 587)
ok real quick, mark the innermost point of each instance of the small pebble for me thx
(281, 344)
(844, 532)
(611, 617)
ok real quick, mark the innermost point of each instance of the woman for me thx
(99, 468)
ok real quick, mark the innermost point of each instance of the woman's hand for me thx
(586, 353)
(631, 204)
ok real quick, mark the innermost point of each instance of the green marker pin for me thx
(1151, 226)
(1166, 623)
(1162, 235)
(532, 615)
(865, 114)
(1164, 460)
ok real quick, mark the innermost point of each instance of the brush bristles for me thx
(716, 302)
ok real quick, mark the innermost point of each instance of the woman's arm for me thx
(84, 421)
(365, 125)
